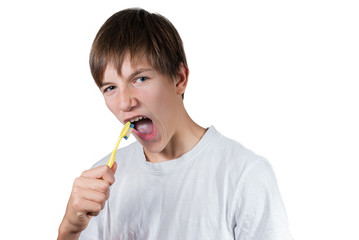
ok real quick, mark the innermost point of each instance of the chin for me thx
(151, 146)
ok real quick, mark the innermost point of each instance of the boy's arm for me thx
(260, 212)
(89, 194)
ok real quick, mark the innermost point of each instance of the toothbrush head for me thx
(129, 131)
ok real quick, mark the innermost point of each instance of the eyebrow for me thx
(132, 75)
(138, 71)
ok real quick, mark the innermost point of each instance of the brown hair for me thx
(140, 34)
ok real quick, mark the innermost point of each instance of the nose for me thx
(126, 100)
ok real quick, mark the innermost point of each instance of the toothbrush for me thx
(125, 133)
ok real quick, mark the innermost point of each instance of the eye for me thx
(141, 79)
(108, 89)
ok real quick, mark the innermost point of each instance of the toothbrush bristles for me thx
(128, 134)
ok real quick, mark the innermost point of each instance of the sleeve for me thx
(259, 211)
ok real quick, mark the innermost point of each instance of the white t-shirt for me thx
(218, 190)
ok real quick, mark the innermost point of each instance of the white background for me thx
(281, 77)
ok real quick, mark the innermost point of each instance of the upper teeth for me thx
(135, 119)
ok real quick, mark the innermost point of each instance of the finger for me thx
(114, 167)
(101, 172)
(108, 175)
(96, 172)
(88, 207)
(92, 183)
(90, 195)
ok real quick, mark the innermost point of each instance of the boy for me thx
(179, 180)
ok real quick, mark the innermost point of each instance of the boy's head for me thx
(139, 34)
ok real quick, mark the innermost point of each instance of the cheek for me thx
(150, 97)
(158, 97)
(163, 103)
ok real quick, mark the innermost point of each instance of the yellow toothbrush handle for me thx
(125, 133)
(111, 160)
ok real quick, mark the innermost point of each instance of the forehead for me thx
(127, 66)
(132, 64)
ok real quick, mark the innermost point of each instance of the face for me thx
(141, 92)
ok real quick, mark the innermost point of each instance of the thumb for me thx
(114, 167)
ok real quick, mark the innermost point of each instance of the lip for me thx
(145, 137)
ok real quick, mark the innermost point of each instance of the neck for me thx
(185, 138)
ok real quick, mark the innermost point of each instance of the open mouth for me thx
(143, 127)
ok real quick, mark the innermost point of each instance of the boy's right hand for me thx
(89, 194)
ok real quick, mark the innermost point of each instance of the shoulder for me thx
(257, 206)
(234, 154)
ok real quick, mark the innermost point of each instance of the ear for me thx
(182, 79)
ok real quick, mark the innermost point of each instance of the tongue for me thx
(144, 126)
